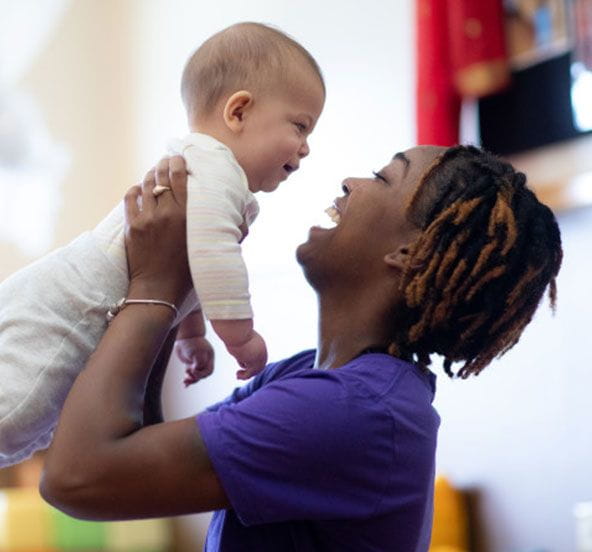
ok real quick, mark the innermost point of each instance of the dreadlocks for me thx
(487, 252)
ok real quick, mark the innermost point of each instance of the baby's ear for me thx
(236, 109)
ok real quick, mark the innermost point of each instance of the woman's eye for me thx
(379, 177)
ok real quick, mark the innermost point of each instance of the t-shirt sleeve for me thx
(273, 371)
(243, 391)
(299, 448)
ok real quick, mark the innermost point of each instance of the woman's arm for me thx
(104, 462)
(153, 395)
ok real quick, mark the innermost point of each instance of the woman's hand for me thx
(155, 236)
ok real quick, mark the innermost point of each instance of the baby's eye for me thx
(379, 177)
(300, 126)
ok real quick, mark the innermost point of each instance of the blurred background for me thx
(89, 96)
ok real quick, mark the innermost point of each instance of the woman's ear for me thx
(236, 109)
(399, 259)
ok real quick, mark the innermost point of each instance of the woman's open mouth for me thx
(333, 214)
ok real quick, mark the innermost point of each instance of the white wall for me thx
(363, 50)
(79, 86)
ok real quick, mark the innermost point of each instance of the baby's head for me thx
(259, 92)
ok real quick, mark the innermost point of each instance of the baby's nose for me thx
(304, 150)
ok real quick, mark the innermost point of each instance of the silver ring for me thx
(159, 189)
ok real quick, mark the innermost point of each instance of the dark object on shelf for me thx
(534, 111)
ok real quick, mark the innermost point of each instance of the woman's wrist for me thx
(140, 289)
(126, 302)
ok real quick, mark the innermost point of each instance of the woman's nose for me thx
(349, 184)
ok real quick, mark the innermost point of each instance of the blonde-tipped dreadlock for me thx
(487, 252)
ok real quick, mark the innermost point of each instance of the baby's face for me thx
(275, 135)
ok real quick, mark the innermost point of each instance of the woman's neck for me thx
(346, 329)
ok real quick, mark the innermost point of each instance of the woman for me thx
(441, 252)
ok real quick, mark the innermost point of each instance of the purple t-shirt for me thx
(335, 460)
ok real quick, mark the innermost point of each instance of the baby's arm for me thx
(193, 349)
(219, 209)
(244, 344)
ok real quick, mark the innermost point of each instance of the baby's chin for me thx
(270, 186)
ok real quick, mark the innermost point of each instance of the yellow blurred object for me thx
(29, 528)
(450, 531)
(29, 524)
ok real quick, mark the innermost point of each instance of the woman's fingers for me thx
(178, 179)
(149, 175)
(130, 201)
(168, 176)
(163, 181)
(148, 185)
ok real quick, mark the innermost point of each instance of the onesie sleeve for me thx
(218, 203)
(298, 448)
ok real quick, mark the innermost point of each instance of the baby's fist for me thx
(198, 356)
(251, 356)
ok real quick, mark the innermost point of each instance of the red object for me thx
(460, 52)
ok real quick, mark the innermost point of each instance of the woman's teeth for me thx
(333, 215)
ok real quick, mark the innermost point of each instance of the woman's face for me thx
(372, 223)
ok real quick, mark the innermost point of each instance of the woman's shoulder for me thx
(372, 374)
(381, 373)
(304, 360)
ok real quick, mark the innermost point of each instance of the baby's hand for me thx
(198, 356)
(251, 356)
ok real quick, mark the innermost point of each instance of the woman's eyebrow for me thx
(402, 157)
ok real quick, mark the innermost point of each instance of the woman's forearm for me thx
(106, 462)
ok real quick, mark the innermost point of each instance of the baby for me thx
(253, 95)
